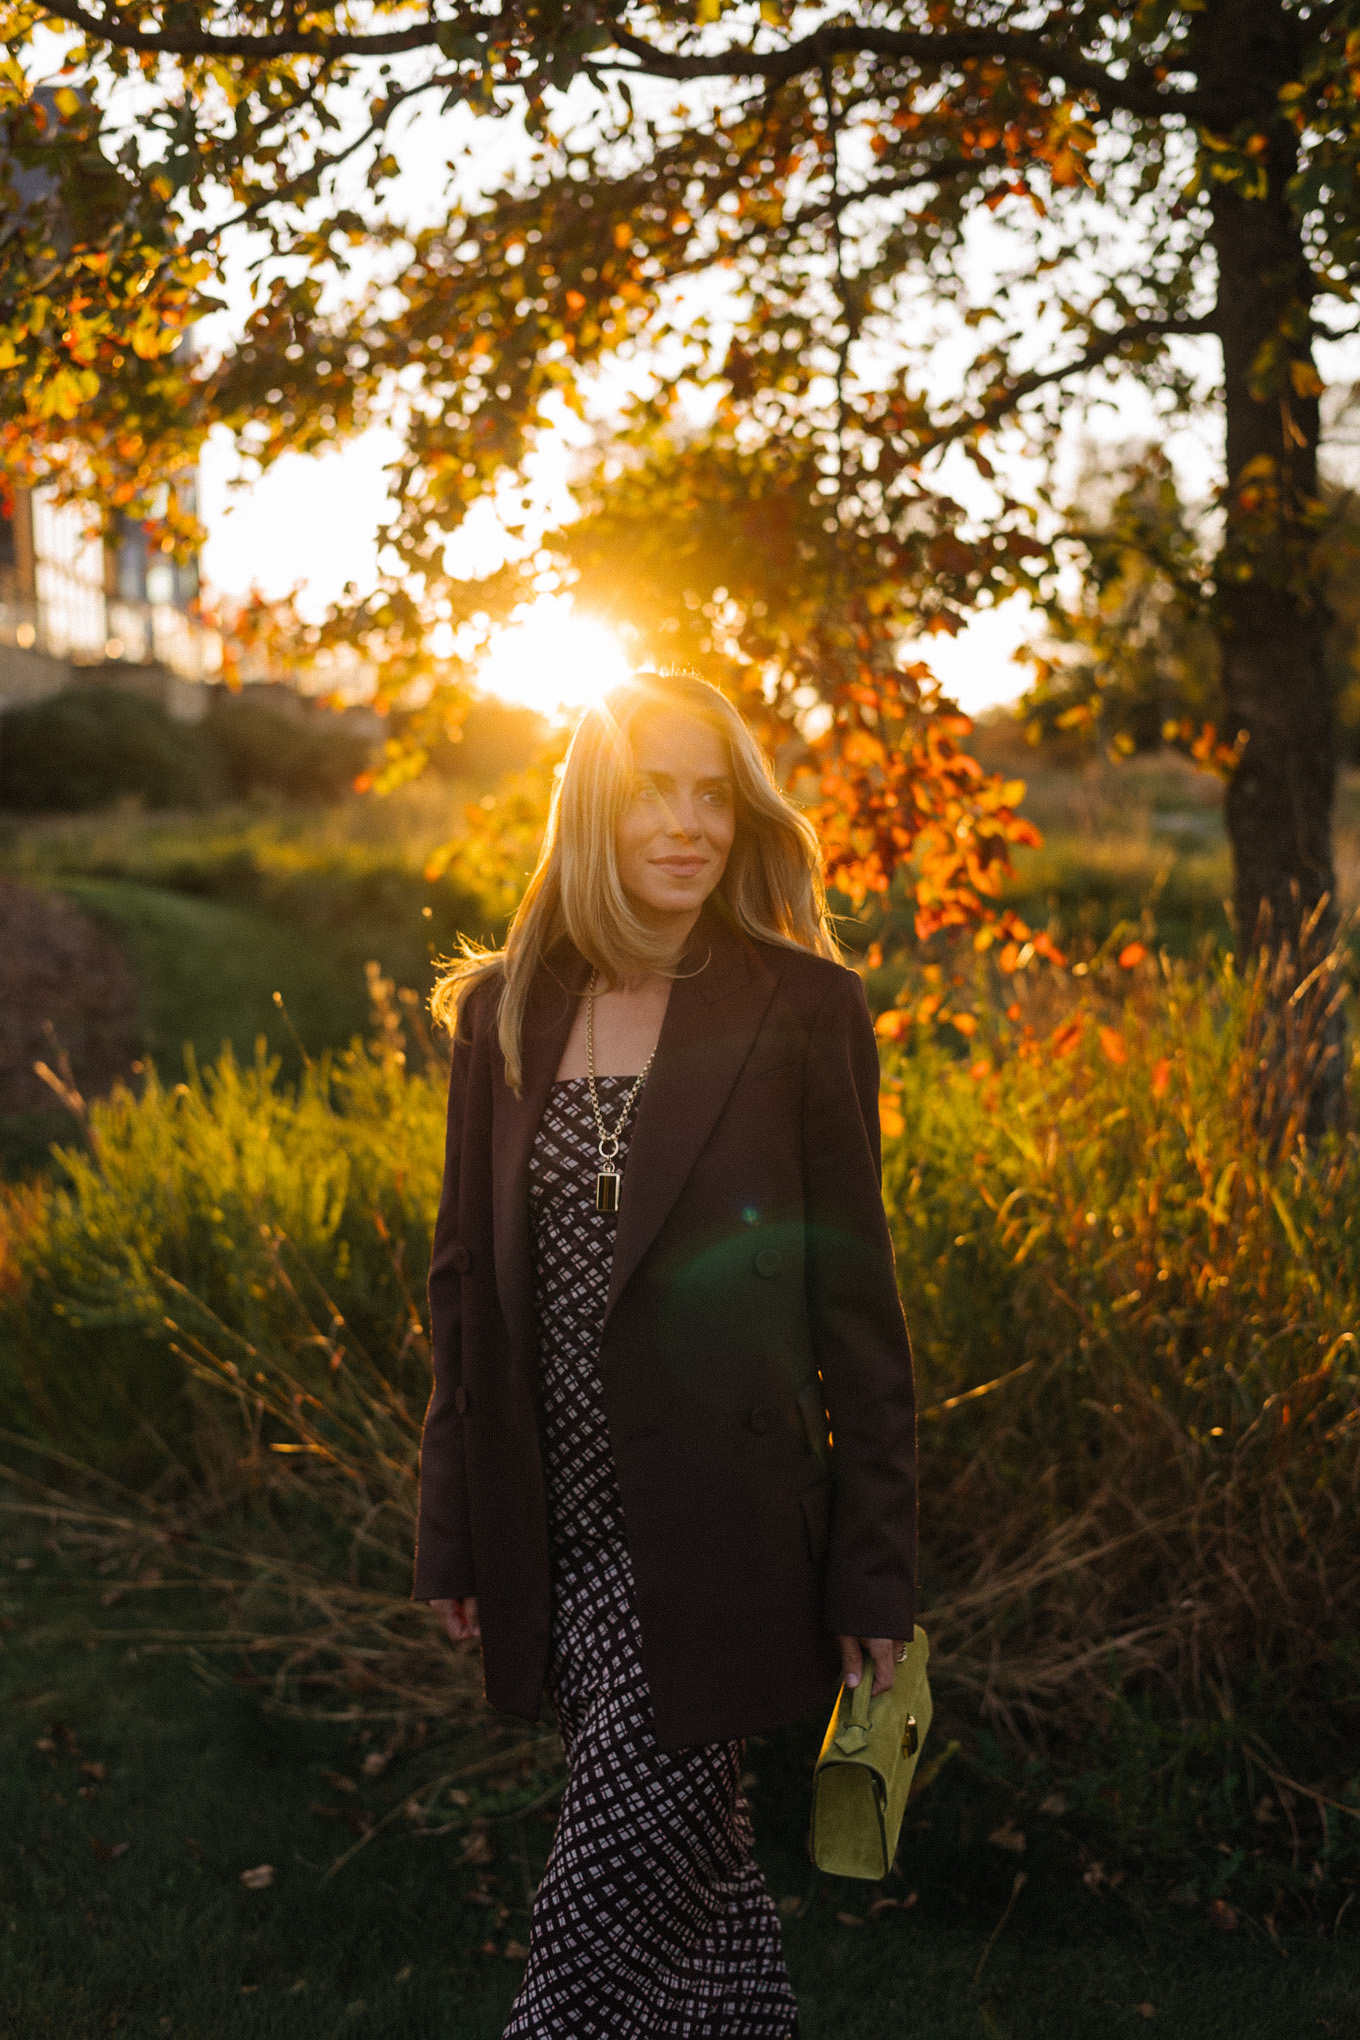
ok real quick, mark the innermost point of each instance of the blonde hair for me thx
(771, 889)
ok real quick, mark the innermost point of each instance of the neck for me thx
(672, 929)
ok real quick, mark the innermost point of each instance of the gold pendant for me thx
(607, 1191)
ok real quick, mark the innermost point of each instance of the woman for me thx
(660, 1265)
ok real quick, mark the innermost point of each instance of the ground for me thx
(133, 1795)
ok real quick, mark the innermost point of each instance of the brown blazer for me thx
(752, 1294)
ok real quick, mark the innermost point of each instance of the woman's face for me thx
(675, 834)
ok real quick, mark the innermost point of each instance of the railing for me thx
(73, 621)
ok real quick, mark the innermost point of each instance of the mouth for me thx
(680, 867)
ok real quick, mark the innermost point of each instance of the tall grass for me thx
(1135, 1310)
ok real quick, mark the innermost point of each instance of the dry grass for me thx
(1134, 1306)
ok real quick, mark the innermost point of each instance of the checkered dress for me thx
(652, 1921)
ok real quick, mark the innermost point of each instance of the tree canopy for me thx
(854, 263)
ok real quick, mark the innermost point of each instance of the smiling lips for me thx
(680, 867)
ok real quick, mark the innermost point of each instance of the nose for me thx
(682, 816)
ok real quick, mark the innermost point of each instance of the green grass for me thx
(200, 1785)
(207, 973)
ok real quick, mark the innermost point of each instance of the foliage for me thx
(91, 746)
(283, 748)
(781, 239)
(1133, 662)
(1133, 1328)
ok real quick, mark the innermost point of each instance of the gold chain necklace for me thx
(608, 1180)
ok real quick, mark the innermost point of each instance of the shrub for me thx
(303, 754)
(91, 746)
(1134, 1324)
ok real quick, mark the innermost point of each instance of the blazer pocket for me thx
(816, 1504)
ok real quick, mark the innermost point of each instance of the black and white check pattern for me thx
(652, 1921)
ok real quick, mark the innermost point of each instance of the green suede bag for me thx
(868, 1760)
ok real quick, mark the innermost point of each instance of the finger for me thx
(852, 1660)
(885, 1670)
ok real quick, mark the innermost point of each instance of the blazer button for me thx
(460, 1400)
(461, 1258)
(768, 1263)
(763, 1417)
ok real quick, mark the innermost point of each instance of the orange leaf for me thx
(1114, 1045)
(1044, 945)
(892, 1025)
(1131, 955)
(891, 1123)
(1161, 1078)
(1068, 1035)
(964, 1024)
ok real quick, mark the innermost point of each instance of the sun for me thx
(553, 660)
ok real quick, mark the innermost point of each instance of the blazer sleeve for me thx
(859, 1332)
(443, 1564)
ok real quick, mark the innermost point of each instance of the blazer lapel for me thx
(547, 1023)
(712, 1019)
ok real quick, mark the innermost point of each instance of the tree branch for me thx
(1099, 352)
(951, 47)
(811, 52)
(297, 43)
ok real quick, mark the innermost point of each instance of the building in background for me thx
(78, 610)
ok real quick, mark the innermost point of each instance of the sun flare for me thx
(554, 660)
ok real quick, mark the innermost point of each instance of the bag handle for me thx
(855, 1734)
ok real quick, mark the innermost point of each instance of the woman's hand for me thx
(459, 1618)
(881, 1649)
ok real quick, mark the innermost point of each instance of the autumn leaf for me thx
(258, 1879)
(1114, 1045)
(1065, 1038)
(1131, 955)
(1161, 1078)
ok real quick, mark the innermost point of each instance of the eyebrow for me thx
(668, 778)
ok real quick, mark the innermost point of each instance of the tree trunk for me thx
(1270, 611)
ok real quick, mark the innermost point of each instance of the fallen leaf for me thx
(340, 1781)
(460, 1798)
(99, 1772)
(850, 1919)
(1055, 1805)
(296, 1989)
(1147, 2011)
(375, 1763)
(1008, 1836)
(1223, 1915)
(488, 1947)
(258, 1879)
(110, 1852)
(402, 1974)
(46, 1744)
(884, 1905)
(516, 1951)
(111, 1597)
(477, 1847)
(24, 1564)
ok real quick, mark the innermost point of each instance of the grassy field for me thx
(133, 1796)
(1145, 1886)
